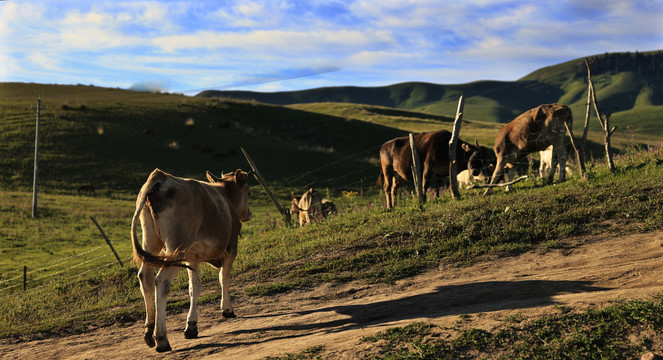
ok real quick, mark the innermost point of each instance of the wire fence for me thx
(65, 268)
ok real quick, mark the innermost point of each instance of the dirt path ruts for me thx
(599, 270)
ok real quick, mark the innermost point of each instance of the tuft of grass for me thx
(271, 289)
(313, 352)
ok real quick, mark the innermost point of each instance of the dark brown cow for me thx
(433, 149)
(532, 131)
(186, 222)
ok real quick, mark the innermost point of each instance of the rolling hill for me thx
(629, 85)
(113, 138)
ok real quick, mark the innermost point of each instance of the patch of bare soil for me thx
(592, 273)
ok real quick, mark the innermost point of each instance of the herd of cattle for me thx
(187, 222)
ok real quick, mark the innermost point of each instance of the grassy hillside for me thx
(113, 138)
(629, 85)
(366, 244)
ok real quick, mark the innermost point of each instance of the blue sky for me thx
(261, 45)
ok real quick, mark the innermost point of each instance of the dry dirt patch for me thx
(593, 273)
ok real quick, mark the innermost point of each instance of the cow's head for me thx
(237, 186)
(479, 158)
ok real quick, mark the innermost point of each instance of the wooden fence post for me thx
(25, 277)
(604, 123)
(36, 165)
(261, 180)
(416, 171)
(453, 167)
(107, 241)
(580, 155)
(588, 111)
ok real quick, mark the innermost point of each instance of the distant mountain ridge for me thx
(629, 85)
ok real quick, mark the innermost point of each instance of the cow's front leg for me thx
(224, 278)
(513, 173)
(163, 281)
(561, 155)
(191, 331)
(553, 167)
(146, 277)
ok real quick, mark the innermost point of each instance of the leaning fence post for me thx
(107, 241)
(453, 167)
(416, 171)
(261, 180)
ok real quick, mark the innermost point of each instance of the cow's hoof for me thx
(164, 348)
(228, 314)
(149, 341)
(162, 344)
(191, 331)
(149, 331)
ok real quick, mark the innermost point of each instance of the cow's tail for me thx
(380, 181)
(140, 255)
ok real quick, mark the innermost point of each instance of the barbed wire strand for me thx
(57, 263)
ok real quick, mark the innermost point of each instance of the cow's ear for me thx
(466, 147)
(212, 178)
(241, 177)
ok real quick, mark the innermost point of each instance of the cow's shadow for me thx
(445, 300)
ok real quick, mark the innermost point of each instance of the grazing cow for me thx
(307, 207)
(328, 208)
(433, 149)
(85, 188)
(219, 156)
(186, 222)
(534, 130)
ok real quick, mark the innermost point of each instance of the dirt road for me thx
(592, 273)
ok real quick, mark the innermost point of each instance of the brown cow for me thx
(307, 207)
(433, 149)
(532, 131)
(186, 222)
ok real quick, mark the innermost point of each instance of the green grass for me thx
(369, 244)
(620, 331)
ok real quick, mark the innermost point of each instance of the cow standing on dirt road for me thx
(186, 222)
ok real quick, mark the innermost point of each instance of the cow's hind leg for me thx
(191, 331)
(146, 277)
(224, 279)
(163, 282)
(387, 190)
(497, 174)
(394, 187)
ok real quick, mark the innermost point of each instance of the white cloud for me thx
(275, 41)
(44, 61)
(213, 43)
